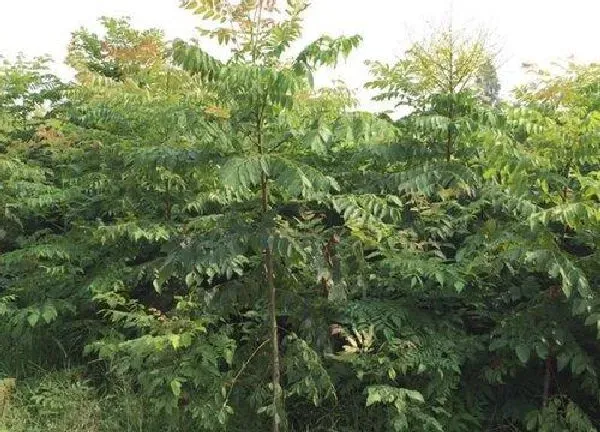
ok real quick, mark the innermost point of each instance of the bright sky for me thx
(526, 30)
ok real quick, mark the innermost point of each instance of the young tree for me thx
(437, 79)
(259, 87)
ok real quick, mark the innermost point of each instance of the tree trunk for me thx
(451, 91)
(168, 204)
(270, 277)
(549, 373)
(276, 379)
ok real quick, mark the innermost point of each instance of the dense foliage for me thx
(192, 244)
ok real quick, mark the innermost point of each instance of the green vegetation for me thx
(191, 244)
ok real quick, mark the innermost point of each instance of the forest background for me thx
(192, 242)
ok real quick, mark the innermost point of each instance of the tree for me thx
(438, 77)
(123, 52)
(260, 89)
(30, 93)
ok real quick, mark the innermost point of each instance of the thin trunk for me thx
(549, 373)
(268, 252)
(276, 379)
(168, 204)
(565, 190)
(449, 144)
(450, 135)
(451, 90)
(270, 276)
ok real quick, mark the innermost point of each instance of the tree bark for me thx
(449, 145)
(168, 204)
(549, 373)
(276, 378)
(451, 92)
(272, 293)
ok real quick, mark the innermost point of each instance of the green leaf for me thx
(562, 360)
(176, 387)
(541, 350)
(415, 395)
(49, 313)
(523, 351)
(373, 398)
(33, 318)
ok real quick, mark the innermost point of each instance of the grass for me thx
(62, 401)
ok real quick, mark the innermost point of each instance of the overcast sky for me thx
(526, 30)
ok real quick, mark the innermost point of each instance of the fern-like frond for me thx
(195, 60)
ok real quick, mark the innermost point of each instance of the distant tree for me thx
(122, 52)
(438, 77)
(488, 82)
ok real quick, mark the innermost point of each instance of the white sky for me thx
(526, 30)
